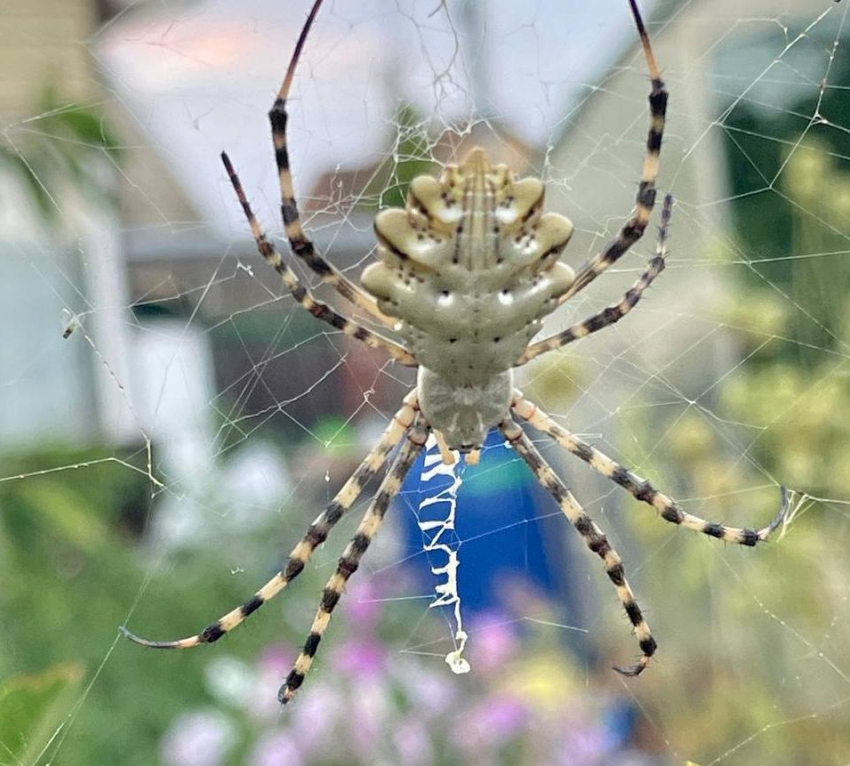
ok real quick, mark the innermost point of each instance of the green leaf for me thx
(68, 514)
(67, 142)
(31, 709)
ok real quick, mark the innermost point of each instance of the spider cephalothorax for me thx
(466, 273)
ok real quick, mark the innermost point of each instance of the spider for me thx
(466, 272)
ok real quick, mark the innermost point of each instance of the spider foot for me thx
(782, 514)
(182, 643)
(287, 692)
(634, 670)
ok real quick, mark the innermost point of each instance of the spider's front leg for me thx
(634, 228)
(301, 294)
(615, 313)
(592, 536)
(300, 243)
(642, 490)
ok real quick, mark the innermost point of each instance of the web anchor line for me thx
(436, 521)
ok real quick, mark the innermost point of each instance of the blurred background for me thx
(170, 421)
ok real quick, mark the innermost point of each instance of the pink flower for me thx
(276, 749)
(493, 722)
(316, 717)
(431, 689)
(202, 738)
(359, 659)
(492, 643)
(363, 605)
(413, 743)
(370, 715)
(277, 659)
(273, 666)
(585, 743)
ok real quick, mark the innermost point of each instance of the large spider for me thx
(465, 274)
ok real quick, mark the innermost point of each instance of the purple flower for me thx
(502, 714)
(359, 658)
(413, 743)
(276, 749)
(491, 723)
(273, 666)
(276, 658)
(430, 689)
(586, 744)
(369, 719)
(202, 738)
(316, 717)
(364, 607)
(492, 644)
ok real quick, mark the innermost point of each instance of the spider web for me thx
(163, 456)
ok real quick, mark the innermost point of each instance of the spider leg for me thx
(592, 535)
(300, 243)
(301, 294)
(634, 228)
(611, 314)
(315, 536)
(350, 559)
(640, 488)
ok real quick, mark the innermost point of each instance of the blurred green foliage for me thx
(778, 418)
(31, 709)
(63, 145)
(734, 663)
(792, 217)
(404, 163)
(72, 571)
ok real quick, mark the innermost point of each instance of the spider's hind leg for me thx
(642, 490)
(349, 562)
(592, 536)
(315, 536)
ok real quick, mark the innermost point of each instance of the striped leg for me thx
(611, 314)
(592, 535)
(315, 536)
(301, 245)
(350, 560)
(634, 228)
(640, 488)
(319, 310)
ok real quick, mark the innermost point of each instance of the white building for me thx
(182, 82)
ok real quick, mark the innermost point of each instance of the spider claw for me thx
(785, 505)
(183, 643)
(637, 669)
(784, 508)
(122, 629)
(633, 671)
